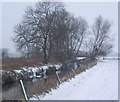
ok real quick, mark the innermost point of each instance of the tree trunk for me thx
(44, 51)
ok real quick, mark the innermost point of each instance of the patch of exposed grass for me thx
(9, 64)
(43, 87)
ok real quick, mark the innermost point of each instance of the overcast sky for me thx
(12, 14)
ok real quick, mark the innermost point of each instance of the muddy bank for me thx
(37, 86)
(26, 73)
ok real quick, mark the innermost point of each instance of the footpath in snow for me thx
(97, 83)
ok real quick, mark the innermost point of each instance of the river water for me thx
(32, 86)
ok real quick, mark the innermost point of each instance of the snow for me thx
(75, 66)
(44, 67)
(58, 66)
(79, 58)
(1, 71)
(112, 58)
(97, 83)
(17, 71)
(34, 70)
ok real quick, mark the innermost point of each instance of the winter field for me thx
(97, 83)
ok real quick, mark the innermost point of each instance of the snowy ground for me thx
(97, 83)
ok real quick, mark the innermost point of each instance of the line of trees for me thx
(4, 53)
(48, 30)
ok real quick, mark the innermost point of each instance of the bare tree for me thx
(88, 46)
(49, 30)
(101, 33)
(36, 28)
(77, 34)
(60, 35)
(69, 35)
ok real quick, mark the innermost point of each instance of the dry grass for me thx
(9, 64)
(40, 87)
(65, 76)
(70, 75)
(84, 68)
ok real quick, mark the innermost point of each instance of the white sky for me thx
(12, 13)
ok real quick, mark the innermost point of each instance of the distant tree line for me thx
(48, 30)
(4, 53)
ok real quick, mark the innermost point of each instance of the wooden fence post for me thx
(58, 77)
(73, 72)
(23, 89)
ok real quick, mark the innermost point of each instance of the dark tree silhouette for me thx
(101, 31)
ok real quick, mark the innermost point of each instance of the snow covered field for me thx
(97, 83)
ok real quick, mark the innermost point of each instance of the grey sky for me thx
(12, 14)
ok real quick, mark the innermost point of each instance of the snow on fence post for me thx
(58, 77)
(73, 71)
(23, 89)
